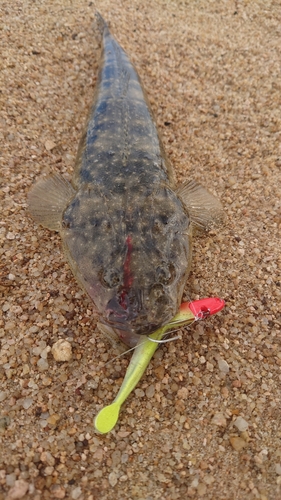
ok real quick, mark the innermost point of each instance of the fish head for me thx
(155, 265)
(134, 267)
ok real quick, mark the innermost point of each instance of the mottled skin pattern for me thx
(126, 233)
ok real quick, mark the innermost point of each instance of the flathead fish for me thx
(126, 228)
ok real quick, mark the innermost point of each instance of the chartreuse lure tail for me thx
(107, 418)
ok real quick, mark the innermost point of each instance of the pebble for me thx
(237, 443)
(10, 479)
(57, 491)
(10, 236)
(53, 419)
(4, 423)
(18, 490)
(201, 489)
(223, 366)
(112, 479)
(27, 403)
(278, 469)
(47, 457)
(3, 395)
(49, 145)
(48, 471)
(219, 419)
(241, 424)
(42, 364)
(76, 493)
(150, 391)
(62, 350)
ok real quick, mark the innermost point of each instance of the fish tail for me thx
(101, 24)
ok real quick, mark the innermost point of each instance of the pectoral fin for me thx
(48, 199)
(204, 209)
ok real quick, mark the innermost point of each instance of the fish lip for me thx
(122, 325)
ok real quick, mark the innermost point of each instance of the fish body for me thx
(126, 229)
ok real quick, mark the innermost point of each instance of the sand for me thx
(204, 421)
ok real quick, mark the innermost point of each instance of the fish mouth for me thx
(134, 330)
(130, 317)
(136, 325)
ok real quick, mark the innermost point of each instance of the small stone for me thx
(278, 469)
(44, 353)
(76, 493)
(53, 419)
(10, 236)
(11, 479)
(150, 390)
(112, 479)
(160, 372)
(42, 364)
(223, 366)
(182, 393)
(237, 384)
(244, 435)
(3, 395)
(47, 457)
(237, 443)
(49, 145)
(201, 489)
(219, 419)
(48, 471)
(196, 380)
(209, 366)
(241, 424)
(62, 350)
(4, 423)
(225, 392)
(27, 403)
(139, 393)
(18, 490)
(57, 491)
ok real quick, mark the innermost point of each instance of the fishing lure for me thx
(146, 347)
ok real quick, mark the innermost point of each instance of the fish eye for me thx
(156, 292)
(110, 278)
(159, 223)
(166, 273)
(156, 228)
(106, 224)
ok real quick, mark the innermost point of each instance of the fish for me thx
(126, 227)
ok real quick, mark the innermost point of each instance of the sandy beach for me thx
(204, 422)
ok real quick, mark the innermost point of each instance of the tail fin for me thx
(101, 24)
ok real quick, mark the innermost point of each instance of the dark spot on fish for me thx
(110, 278)
(157, 291)
(106, 225)
(166, 274)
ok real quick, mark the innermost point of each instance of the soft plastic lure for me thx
(188, 313)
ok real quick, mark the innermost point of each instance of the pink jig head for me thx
(197, 310)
